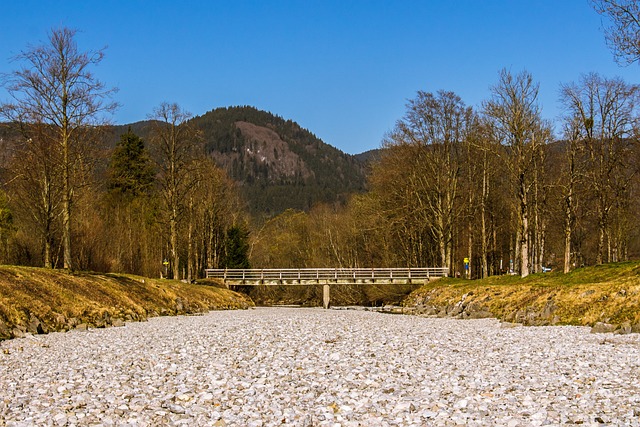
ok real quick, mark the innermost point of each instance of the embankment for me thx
(36, 300)
(605, 297)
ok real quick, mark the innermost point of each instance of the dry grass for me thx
(607, 293)
(61, 300)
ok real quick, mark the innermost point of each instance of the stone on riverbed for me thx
(314, 367)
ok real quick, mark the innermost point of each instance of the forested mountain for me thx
(278, 164)
(369, 156)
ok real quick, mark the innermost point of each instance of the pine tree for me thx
(131, 172)
(236, 248)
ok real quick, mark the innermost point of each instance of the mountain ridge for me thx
(277, 164)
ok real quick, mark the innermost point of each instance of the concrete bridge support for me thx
(325, 296)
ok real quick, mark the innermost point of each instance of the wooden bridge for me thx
(326, 277)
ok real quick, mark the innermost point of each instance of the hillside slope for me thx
(278, 164)
(37, 300)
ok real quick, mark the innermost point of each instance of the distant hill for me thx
(278, 164)
(369, 156)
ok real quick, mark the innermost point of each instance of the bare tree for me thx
(427, 145)
(481, 153)
(604, 115)
(175, 143)
(213, 207)
(623, 32)
(570, 178)
(36, 184)
(56, 88)
(515, 115)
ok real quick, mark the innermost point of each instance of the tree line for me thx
(492, 186)
(491, 191)
(481, 191)
(156, 207)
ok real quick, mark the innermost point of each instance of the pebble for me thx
(314, 367)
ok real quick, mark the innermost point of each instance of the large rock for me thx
(60, 322)
(624, 328)
(35, 326)
(480, 314)
(5, 331)
(549, 310)
(602, 328)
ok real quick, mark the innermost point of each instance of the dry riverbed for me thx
(314, 367)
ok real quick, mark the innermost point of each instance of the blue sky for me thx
(342, 69)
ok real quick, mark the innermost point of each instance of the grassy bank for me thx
(39, 300)
(607, 293)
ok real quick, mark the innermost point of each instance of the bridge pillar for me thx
(325, 296)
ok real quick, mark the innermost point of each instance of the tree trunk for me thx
(66, 205)
(542, 241)
(524, 234)
(524, 250)
(190, 242)
(47, 252)
(568, 229)
(517, 249)
(483, 219)
(173, 229)
(567, 251)
(600, 243)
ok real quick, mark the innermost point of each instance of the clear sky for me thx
(343, 69)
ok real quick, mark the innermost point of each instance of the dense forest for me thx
(483, 191)
(276, 164)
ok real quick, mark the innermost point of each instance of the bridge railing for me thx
(327, 275)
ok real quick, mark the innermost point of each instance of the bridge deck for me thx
(310, 276)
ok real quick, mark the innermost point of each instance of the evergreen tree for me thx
(236, 248)
(131, 172)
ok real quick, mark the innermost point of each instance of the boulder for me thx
(602, 328)
(60, 321)
(430, 310)
(509, 325)
(5, 331)
(549, 309)
(624, 329)
(35, 326)
(481, 314)
(456, 310)
(18, 332)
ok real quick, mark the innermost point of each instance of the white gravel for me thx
(314, 367)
